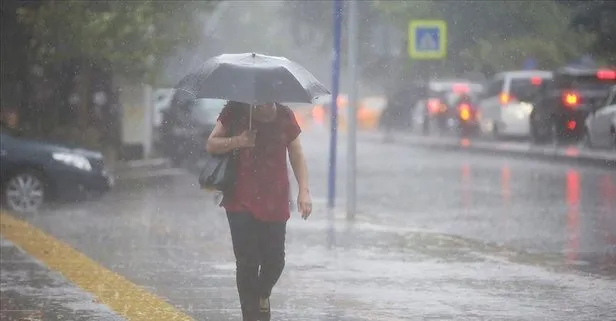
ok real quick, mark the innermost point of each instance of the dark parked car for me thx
(397, 113)
(463, 110)
(440, 109)
(185, 127)
(562, 104)
(35, 171)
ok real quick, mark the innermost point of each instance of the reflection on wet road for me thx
(439, 235)
(531, 206)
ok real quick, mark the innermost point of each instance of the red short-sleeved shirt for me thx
(262, 182)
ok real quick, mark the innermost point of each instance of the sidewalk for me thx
(143, 172)
(30, 291)
(514, 149)
(366, 273)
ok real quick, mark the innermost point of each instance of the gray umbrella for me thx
(253, 79)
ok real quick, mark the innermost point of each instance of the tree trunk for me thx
(85, 93)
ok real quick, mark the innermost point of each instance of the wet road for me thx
(439, 235)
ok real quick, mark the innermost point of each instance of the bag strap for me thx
(232, 122)
(234, 114)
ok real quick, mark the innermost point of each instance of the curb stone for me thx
(153, 163)
(145, 171)
(565, 154)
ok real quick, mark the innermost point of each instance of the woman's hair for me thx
(236, 104)
(232, 103)
(245, 106)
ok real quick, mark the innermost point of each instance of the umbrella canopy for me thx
(253, 79)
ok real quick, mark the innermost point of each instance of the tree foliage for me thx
(311, 23)
(128, 35)
(501, 33)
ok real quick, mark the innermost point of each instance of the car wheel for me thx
(25, 191)
(554, 135)
(534, 136)
(425, 126)
(587, 141)
(538, 134)
(496, 134)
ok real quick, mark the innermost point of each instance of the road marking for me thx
(122, 296)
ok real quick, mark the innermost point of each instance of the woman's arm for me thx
(298, 163)
(218, 143)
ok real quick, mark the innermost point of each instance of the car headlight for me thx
(74, 160)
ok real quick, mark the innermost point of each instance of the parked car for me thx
(439, 110)
(563, 104)
(369, 111)
(186, 125)
(34, 171)
(505, 107)
(601, 124)
(400, 105)
(463, 109)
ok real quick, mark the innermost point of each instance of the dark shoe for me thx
(264, 310)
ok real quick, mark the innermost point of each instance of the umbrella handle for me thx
(250, 117)
(250, 122)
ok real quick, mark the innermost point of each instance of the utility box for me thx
(136, 101)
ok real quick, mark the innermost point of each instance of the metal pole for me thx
(148, 101)
(352, 113)
(334, 104)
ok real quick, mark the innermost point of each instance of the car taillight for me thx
(460, 88)
(434, 105)
(318, 114)
(571, 99)
(505, 98)
(363, 113)
(465, 111)
(536, 81)
(606, 74)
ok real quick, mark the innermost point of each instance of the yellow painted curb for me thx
(122, 296)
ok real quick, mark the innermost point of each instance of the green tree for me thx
(128, 35)
(499, 33)
(126, 38)
(597, 17)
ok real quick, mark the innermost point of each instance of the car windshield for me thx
(457, 86)
(587, 82)
(374, 103)
(525, 87)
(453, 98)
(447, 90)
(206, 111)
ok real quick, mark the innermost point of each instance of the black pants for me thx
(259, 253)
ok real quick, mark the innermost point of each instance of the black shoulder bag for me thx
(219, 171)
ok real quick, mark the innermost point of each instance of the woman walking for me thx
(257, 205)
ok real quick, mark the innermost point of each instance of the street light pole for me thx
(334, 104)
(352, 111)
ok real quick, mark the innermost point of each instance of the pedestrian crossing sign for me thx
(427, 39)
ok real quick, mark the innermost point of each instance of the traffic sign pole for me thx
(334, 105)
(352, 112)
